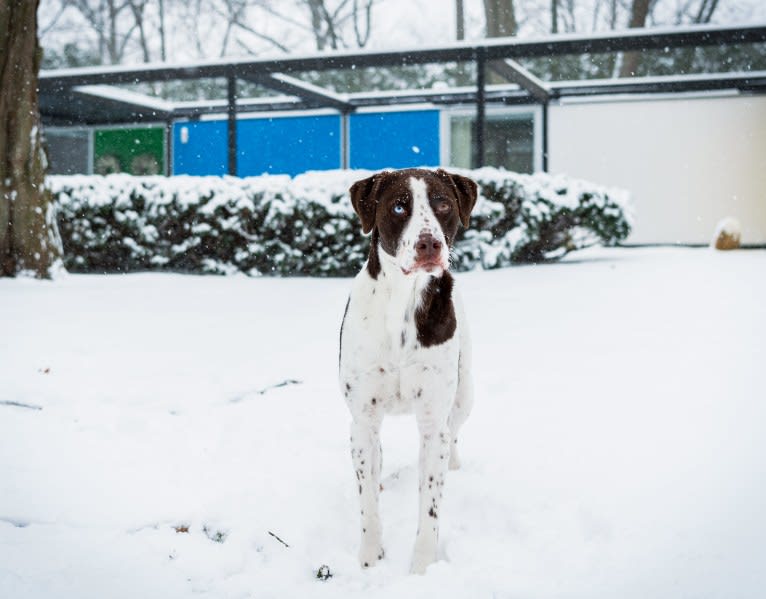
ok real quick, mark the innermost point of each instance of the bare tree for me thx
(236, 15)
(137, 7)
(324, 23)
(362, 16)
(500, 19)
(29, 240)
(706, 10)
(638, 12)
(554, 16)
(161, 31)
(105, 18)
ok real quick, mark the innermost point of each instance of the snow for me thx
(125, 96)
(616, 448)
(730, 226)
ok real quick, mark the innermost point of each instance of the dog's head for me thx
(414, 214)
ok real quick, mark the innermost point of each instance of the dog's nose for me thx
(427, 247)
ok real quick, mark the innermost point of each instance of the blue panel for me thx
(394, 139)
(288, 145)
(204, 151)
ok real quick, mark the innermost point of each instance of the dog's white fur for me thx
(384, 369)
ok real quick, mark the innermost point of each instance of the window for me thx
(68, 150)
(509, 140)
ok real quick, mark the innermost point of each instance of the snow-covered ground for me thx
(617, 447)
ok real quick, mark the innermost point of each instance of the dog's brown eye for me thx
(443, 207)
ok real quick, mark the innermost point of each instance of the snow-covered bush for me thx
(306, 226)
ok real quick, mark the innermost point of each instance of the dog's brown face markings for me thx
(384, 204)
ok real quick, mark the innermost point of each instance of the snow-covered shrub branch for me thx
(306, 226)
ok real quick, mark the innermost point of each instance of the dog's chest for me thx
(383, 326)
(380, 341)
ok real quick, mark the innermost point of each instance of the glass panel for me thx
(508, 141)
(461, 141)
(67, 151)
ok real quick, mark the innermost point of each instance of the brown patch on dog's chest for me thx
(373, 260)
(435, 318)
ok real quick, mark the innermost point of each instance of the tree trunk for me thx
(638, 12)
(554, 16)
(500, 22)
(459, 20)
(500, 18)
(29, 241)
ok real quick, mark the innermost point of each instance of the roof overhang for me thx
(88, 96)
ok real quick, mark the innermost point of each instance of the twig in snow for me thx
(17, 404)
(278, 539)
(263, 391)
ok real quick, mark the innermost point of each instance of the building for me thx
(691, 149)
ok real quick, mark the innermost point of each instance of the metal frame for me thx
(493, 49)
(59, 88)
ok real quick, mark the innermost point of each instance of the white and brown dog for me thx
(404, 339)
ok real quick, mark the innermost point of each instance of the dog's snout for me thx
(427, 247)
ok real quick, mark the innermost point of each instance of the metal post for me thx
(168, 147)
(481, 69)
(545, 137)
(232, 129)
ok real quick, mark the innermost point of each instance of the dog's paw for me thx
(420, 563)
(423, 556)
(370, 554)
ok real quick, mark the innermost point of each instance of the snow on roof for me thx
(119, 94)
(658, 79)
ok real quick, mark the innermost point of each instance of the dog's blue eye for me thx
(399, 209)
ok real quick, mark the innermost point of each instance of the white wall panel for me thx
(687, 161)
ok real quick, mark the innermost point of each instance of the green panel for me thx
(139, 151)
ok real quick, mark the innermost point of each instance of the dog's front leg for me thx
(434, 458)
(365, 452)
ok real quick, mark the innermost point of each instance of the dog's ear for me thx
(364, 200)
(466, 191)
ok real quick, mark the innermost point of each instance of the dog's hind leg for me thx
(366, 455)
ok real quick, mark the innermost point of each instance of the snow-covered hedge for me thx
(306, 226)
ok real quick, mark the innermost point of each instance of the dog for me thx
(404, 340)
